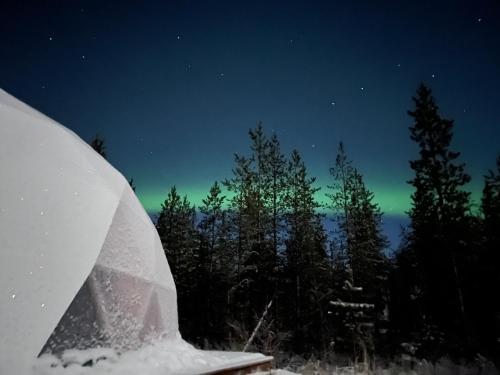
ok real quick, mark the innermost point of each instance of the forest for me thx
(255, 267)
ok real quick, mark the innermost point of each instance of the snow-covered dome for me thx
(80, 261)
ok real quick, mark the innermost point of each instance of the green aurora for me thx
(393, 201)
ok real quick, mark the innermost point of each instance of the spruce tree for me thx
(439, 209)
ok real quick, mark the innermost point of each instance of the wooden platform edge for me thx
(263, 364)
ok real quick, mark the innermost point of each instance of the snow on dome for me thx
(81, 264)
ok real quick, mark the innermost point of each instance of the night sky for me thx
(174, 86)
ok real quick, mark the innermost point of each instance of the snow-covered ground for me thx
(422, 367)
(160, 358)
(178, 357)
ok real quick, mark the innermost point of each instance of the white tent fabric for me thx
(77, 250)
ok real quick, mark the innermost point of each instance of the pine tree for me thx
(240, 186)
(406, 311)
(340, 200)
(261, 252)
(259, 146)
(368, 262)
(276, 175)
(488, 308)
(362, 292)
(306, 261)
(132, 184)
(240, 237)
(213, 276)
(176, 228)
(241, 219)
(98, 144)
(438, 221)
(490, 202)
(212, 225)
(251, 222)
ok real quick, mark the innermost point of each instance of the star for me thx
(83, 57)
(178, 37)
(221, 75)
(332, 103)
(313, 145)
(50, 38)
(479, 19)
(362, 89)
(398, 65)
(433, 76)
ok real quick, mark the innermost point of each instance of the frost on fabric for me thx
(129, 297)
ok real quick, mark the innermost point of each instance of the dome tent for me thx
(80, 262)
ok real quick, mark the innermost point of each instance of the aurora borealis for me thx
(173, 87)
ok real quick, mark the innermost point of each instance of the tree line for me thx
(258, 243)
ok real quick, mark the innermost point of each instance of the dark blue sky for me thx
(173, 86)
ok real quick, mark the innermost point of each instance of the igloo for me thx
(81, 263)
